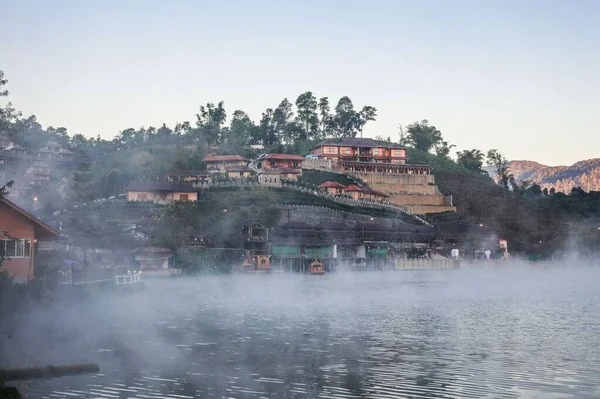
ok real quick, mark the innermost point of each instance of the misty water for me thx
(523, 332)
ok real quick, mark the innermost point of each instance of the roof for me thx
(239, 169)
(160, 186)
(332, 184)
(45, 231)
(357, 142)
(352, 188)
(223, 158)
(290, 157)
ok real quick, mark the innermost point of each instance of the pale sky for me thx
(520, 76)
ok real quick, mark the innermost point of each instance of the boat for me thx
(316, 268)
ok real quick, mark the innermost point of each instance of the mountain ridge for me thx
(584, 174)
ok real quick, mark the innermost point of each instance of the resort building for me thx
(274, 169)
(161, 192)
(360, 150)
(21, 231)
(221, 163)
(239, 172)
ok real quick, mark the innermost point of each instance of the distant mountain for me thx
(584, 174)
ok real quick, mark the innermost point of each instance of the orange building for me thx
(333, 187)
(278, 161)
(161, 191)
(360, 150)
(21, 231)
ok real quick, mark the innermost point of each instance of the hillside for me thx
(584, 174)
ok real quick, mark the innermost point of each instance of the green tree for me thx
(82, 184)
(442, 149)
(422, 136)
(306, 105)
(366, 114)
(3, 82)
(345, 120)
(267, 128)
(500, 163)
(283, 120)
(210, 121)
(324, 116)
(471, 159)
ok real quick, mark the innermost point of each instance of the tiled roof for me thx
(290, 157)
(222, 158)
(332, 184)
(354, 188)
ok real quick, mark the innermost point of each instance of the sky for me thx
(519, 76)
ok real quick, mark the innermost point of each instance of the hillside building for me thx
(20, 233)
(161, 192)
(221, 163)
(384, 169)
(274, 169)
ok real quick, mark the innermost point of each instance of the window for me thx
(347, 151)
(16, 248)
(162, 196)
(295, 164)
(142, 196)
(330, 150)
(183, 197)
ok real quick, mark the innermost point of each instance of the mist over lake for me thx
(510, 332)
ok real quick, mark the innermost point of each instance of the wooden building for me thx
(280, 161)
(333, 187)
(220, 163)
(360, 150)
(161, 191)
(239, 172)
(21, 231)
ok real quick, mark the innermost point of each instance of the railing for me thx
(128, 279)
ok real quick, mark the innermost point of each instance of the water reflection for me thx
(451, 334)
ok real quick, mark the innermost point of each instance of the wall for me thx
(417, 193)
(18, 226)
(317, 164)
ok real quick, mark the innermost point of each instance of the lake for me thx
(509, 332)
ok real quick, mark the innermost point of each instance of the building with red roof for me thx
(20, 232)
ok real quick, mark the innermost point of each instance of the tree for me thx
(422, 136)
(500, 163)
(82, 185)
(3, 82)
(365, 115)
(306, 105)
(267, 128)
(325, 117)
(210, 120)
(282, 118)
(346, 118)
(471, 159)
(442, 149)
(239, 134)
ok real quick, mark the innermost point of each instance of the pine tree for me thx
(81, 189)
